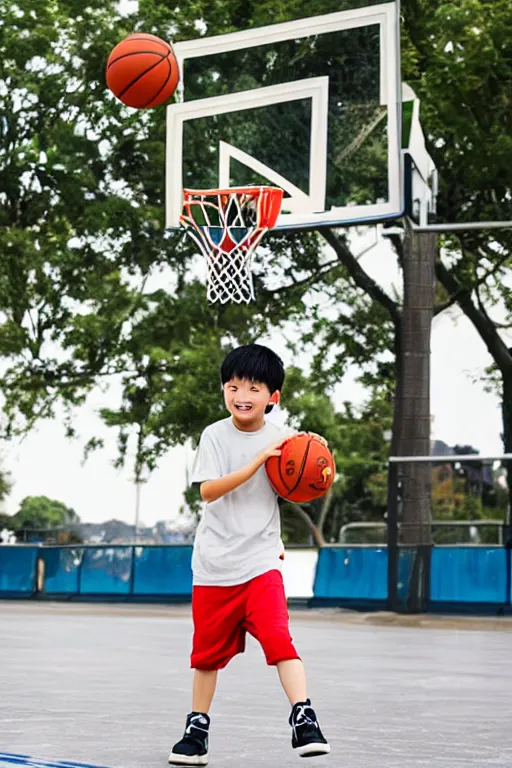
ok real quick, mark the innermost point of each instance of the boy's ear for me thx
(274, 400)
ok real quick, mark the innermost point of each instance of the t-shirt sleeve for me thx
(206, 462)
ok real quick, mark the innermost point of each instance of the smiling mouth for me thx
(243, 408)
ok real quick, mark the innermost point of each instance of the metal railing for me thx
(412, 493)
(365, 526)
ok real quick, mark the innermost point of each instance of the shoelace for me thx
(195, 724)
(302, 718)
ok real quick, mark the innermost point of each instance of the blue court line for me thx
(8, 759)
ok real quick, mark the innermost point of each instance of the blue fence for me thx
(460, 578)
(61, 569)
(163, 571)
(122, 572)
(469, 575)
(351, 575)
(18, 571)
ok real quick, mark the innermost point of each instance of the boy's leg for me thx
(268, 621)
(218, 635)
(293, 679)
(205, 681)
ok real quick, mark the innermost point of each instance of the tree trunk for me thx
(412, 415)
(409, 485)
(506, 409)
(324, 510)
(315, 531)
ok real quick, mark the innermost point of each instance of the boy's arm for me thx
(211, 490)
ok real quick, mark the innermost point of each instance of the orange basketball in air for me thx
(142, 71)
(304, 471)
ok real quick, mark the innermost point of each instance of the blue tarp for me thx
(18, 569)
(106, 571)
(468, 575)
(163, 571)
(61, 570)
(459, 575)
(352, 573)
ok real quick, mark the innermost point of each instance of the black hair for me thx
(257, 363)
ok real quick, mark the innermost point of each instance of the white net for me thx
(228, 225)
(228, 274)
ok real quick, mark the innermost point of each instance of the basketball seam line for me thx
(281, 474)
(143, 36)
(142, 75)
(146, 36)
(301, 471)
(136, 53)
(161, 88)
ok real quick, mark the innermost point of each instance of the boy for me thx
(238, 586)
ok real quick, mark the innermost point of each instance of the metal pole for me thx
(449, 459)
(397, 230)
(392, 537)
(461, 227)
(137, 510)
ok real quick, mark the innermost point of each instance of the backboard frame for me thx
(305, 210)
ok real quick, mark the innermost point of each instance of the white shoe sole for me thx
(186, 760)
(313, 750)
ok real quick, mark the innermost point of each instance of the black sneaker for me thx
(192, 749)
(307, 738)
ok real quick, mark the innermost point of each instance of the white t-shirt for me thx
(239, 535)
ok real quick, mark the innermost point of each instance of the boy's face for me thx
(246, 401)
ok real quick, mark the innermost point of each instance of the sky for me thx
(47, 463)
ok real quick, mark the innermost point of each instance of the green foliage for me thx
(82, 244)
(6, 522)
(74, 240)
(5, 485)
(458, 58)
(83, 249)
(41, 513)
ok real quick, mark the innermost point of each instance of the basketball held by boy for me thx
(236, 563)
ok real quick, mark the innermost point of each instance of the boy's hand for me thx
(319, 437)
(271, 450)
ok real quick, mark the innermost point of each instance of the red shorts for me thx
(223, 615)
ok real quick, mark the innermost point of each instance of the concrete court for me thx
(110, 685)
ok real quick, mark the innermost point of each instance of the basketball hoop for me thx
(228, 225)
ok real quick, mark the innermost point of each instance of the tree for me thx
(40, 515)
(6, 521)
(42, 512)
(411, 433)
(457, 57)
(81, 240)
